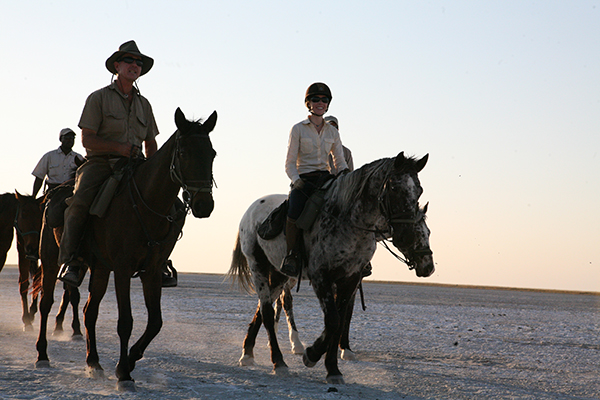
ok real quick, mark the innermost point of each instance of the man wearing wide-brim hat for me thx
(116, 121)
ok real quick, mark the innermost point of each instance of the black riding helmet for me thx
(316, 89)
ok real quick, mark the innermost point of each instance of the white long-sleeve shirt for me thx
(308, 150)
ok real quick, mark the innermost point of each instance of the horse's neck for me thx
(154, 181)
(356, 204)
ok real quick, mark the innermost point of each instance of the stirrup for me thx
(169, 275)
(289, 266)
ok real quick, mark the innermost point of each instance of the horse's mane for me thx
(351, 186)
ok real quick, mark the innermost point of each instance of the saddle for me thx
(56, 205)
(274, 224)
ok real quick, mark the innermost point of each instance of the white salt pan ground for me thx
(413, 342)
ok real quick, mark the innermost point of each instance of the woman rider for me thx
(310, 143)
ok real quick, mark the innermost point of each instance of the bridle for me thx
(18, 229)
(409, 218)
(187, 185)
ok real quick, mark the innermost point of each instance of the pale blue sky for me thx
(503, 95)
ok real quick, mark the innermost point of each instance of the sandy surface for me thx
(413, 342)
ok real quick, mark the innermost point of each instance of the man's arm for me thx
(37, 185)
(150, 147)
(92, 141)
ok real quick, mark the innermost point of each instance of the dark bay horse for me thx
(377, 200)
(22, 214)
(136, 237)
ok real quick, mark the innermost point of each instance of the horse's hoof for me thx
(335, 380)
(281, 370)
(126, 386)
(77, 337)
(95, 373)
(348, 355)
(27, 328)
(308, 362)
(246, 361)
(42, 364)
(298, 349)
(297, 346)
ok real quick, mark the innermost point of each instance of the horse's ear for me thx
(399, 160)
(180, 120)
(18, 195)
(210, 123)
(421, 163)
(425, 208)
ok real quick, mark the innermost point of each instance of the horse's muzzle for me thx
(202, 205)
(426, 269)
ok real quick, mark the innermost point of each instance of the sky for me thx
(504, 96)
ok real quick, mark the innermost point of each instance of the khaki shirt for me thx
(308, 149)
(108, 113)
(58, 166)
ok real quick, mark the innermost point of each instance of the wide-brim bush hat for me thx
(129, 48)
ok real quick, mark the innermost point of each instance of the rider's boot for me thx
(291, 263)
(71, 272)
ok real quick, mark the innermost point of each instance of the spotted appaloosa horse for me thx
(136, 236)
(284, 303)
(377, 200)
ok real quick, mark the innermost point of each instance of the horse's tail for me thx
(239, 272)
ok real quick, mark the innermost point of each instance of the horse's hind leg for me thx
(98, 284)
(286, 298)
(250, 339)
(74, 299)
(268, 317)
(62, 310)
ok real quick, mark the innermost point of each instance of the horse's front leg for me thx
(346, 352)
(334, 305)
(152, 294)
(313, 354)
(98, 284)
(26, 316)
(48, 283)
(124, 328)
(49, 268)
